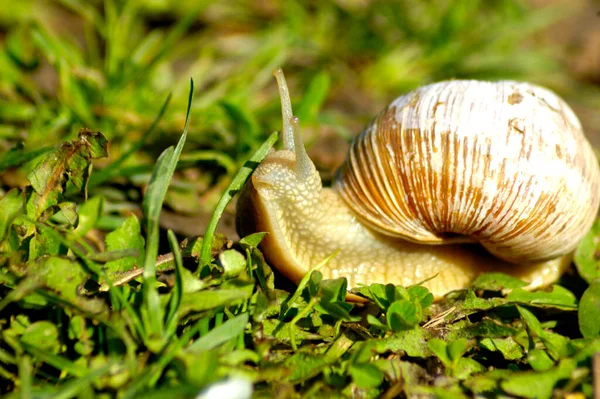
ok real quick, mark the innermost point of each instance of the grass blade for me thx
(221, 334)
(151, 376)
(175, 301)
(237, 183)
(25, 376)
(152, 205)
(57, 361)
(75, 386)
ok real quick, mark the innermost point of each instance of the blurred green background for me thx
(110, 65)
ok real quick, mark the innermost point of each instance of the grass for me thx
(106, 288)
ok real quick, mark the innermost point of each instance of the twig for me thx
(439, 318)
(125, 277)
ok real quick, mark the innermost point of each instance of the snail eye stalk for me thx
(292, 138)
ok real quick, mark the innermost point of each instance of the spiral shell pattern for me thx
(505, 164)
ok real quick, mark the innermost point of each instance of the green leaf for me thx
(127, 236)
(386, 294)
(43, 335)
(64, 277)
(78, 330)
(456, 349)
(227, 331)
(485, 328)
(378, 293)
(233, 263)
(496, 282)
(253, 240)
(473, 302)
(481, 384)
(531, 321)
(440, 349)
(509, 348)
(539, 360)
(45, 243)
(199, 370)
(68, 213)
(421, 295)
(96, 142)
(362, 352)
(191, 246)
(11, 205)
(89, 213)
(451, 357)
(557, 345)
(334, 289)
(314, 283)
(586, 259)
(69, 162)
(413, 342)
(488, 381)
(366, 375)
(396, 370)
(589, 311)
(558, 297)
(212, 299)
(536, 384)
(302, 366)
(280, 332)
(403, 315)
(465, 367)
(588, 348)
(372, 320)
(340, 310)
(310, 281)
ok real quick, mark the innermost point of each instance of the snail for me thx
(451, 180)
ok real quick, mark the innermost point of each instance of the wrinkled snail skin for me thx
(503, 164)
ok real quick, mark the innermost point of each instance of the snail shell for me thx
(505, 164)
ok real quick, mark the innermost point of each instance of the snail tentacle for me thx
(292, 138)
(286, 110)
(304, 165)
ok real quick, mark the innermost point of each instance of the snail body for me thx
(440, 173)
